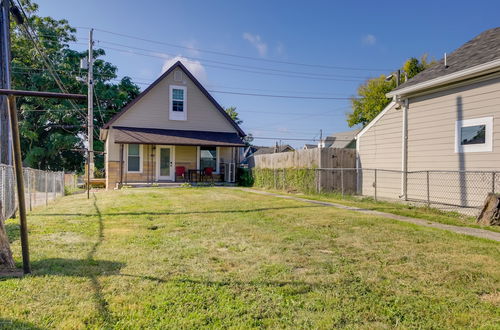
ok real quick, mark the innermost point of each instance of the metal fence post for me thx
(493, 182)
(4, 200)
(342, 180)
(428, 190)
(54, 192)
(28, 177)
(284, 179)
(46, 188)
(375, 184)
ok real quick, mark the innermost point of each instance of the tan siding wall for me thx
(431, 127)
(226, 154)
(380, 148)
(186, 156)
(152, 110)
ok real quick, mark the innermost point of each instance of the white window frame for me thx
(176, 115)
(140, 159)
(483, 147)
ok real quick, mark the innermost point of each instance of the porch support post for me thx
(121, 167)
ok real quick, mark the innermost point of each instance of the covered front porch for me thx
(162, 157)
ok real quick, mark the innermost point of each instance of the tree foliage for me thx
(51, 128)
(371, 99)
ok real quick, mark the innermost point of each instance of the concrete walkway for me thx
(481, 233)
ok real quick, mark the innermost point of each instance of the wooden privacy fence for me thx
(328, 165)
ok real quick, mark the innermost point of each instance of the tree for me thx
(371, 99)
(50, 128)
(231, 111)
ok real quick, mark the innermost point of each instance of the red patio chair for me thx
(180, 171)
(208, 172)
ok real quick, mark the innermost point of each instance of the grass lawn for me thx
(220, 257)
(405, 209)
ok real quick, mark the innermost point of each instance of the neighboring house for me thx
(345, 140)
(341, 140)
(446, 118)
(250, 151)
(174, 126)
(309, 146)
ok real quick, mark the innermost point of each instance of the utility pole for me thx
(90, 124)
(320, 139)
(5, 140)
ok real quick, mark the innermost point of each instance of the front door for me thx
(164, 163)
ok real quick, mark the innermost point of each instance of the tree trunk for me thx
(6, 260)
(490, 214)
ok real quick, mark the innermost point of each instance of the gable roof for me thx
(177, 64)
(341, 139)
(484, 48)
(272, 150)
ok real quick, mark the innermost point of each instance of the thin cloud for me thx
(257, 42)
(195, 67)
(192, 48)
(369, 40)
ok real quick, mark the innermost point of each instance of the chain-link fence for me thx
(460, 191)
(40, 187)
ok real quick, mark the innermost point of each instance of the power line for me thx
(283, 96)
(242, 56)
(27, 27)
(233, 64)
(240, 70)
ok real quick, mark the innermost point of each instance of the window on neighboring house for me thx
(134, 158)
(178, 103)
(474, 135)
(208, 157)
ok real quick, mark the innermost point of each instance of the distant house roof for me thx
(341, 140)
(482, 49)
(271, 150)
(310, 146)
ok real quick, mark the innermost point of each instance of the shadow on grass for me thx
(88, 267)
(180, 213)
(13, 231)
(14, 324)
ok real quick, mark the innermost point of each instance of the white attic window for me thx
(178, 103)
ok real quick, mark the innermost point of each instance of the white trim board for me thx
(375, 120)
(456, 76)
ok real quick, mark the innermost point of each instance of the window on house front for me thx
(474, 135)
(134, 158)
(178, 103)
(208, 157)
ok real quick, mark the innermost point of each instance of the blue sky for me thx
(362, 39)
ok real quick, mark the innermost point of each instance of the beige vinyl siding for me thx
(112, 149)
(431, 127)
(152, 110)
(186, 156)
(380, 148)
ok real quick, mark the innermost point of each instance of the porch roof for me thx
(139, 135)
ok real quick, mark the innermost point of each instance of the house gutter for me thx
(452, 77)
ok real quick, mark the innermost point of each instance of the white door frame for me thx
(172, 162)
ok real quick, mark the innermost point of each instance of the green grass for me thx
(221, 257)
(405, 209)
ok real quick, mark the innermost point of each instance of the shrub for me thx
(289, 179)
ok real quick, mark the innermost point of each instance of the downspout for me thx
(358, 166)
(404, 156)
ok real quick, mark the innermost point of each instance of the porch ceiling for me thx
(138, 135)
